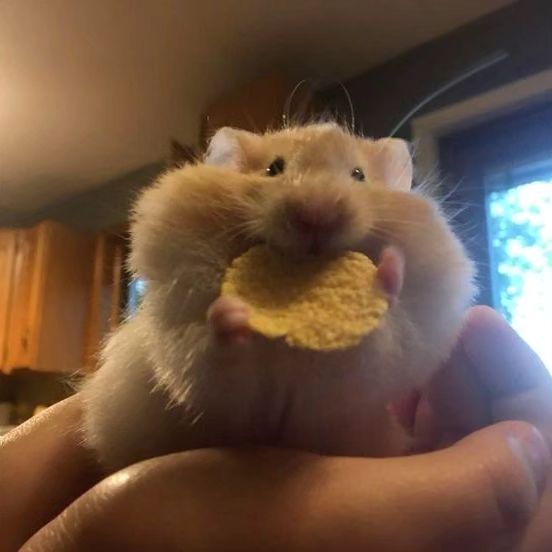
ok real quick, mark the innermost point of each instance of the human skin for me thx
(484, 424)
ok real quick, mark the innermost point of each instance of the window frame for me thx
(508, 144)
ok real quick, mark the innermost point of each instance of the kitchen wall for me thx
(383, 95)
(102, 207)
(380, 96)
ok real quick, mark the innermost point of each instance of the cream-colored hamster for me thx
(184, 372)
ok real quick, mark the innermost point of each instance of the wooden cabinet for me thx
(45, 285)
(25, 297)
(107, 297)
(7, 256)
(260, 105)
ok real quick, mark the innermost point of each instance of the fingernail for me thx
(533, 448)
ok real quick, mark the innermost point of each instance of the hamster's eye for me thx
(358, 174)
(276, 167)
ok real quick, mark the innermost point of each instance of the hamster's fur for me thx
(168, 383)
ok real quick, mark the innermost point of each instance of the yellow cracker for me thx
(315, 304)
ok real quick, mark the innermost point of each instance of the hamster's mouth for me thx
(389, 261)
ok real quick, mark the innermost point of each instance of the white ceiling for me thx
(91, 89)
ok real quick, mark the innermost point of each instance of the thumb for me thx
(516, 382)
(478, 495)
(481, 493)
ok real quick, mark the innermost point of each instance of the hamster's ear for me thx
(230, 147)
(390, 162)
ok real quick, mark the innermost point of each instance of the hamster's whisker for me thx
(399, 222)
(242, 229)
(450, 192)
(452, 215)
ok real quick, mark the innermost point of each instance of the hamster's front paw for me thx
(228, 318)
(390, 272)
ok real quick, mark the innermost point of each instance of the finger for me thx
(43, 467)
(454, 404)
(516, 381)
(505, 363)
(538, 538)
(477, 495)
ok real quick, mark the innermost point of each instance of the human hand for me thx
(480, 493)
(491, 377)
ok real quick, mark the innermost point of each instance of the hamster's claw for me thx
(228, 318)
(390, 272)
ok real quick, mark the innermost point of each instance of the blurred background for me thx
(93, 92)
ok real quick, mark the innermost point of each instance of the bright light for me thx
(520, 241)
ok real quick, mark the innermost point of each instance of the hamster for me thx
(185, 372)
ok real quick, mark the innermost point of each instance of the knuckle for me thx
(511, 487)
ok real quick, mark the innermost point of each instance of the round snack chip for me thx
(320, 304)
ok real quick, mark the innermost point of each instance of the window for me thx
(519, 227)
(500, 175)
(136, 290)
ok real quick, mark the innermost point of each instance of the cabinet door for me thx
(50, 298)
(62, 315)
(25, 299)
(7, 256)
(260, 105)
(108, 284)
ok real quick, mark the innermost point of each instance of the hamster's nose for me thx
(315, 220)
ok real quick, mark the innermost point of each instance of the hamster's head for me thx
(312, 198)
(311, 190)
(321, 190)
